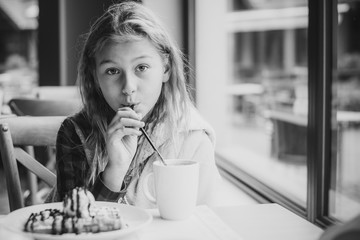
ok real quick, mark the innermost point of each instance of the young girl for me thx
(131, 75)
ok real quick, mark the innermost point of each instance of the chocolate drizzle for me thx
(72, 202)
(72, 219)
(78, 213)
(41, 217)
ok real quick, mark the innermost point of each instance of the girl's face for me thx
(130, 74)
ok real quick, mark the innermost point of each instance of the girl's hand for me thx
(121, 144)
(122, 134)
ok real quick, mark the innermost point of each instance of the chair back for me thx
(55, 106)
(43, 107)
(58, 92)
(25, 131)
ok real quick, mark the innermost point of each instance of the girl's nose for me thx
(129, 86)
(128, 92)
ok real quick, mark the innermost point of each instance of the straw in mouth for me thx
(151, 142)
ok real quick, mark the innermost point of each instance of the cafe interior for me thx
(278, 80)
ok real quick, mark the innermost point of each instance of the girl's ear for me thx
(166, 75)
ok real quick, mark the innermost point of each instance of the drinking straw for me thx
(152, 145)
(150, 141)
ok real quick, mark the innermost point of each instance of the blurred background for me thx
(250, 80)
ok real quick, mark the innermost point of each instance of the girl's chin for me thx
(145, 115)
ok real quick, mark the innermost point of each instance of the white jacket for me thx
(198, 145)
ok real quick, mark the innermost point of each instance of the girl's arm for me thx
(71, 163)
(121, 144)
(73, 168)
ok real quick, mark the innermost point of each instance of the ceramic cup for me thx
(176, 187)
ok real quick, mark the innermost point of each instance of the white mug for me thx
(176, 187)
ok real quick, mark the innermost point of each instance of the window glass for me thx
(267, 92)
(262, 129)
(345, 178)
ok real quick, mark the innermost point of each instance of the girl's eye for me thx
(142, 68)
(112, 71)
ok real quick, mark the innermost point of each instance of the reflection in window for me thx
(265, 92)
(345, 178)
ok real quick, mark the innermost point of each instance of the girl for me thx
(131, 75)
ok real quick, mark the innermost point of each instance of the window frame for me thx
(322, 35)
(322, 42)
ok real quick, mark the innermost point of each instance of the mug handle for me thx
(146, 190)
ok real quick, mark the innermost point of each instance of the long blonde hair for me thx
(130, 20)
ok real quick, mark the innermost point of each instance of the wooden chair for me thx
(43, 107)
(58, 92)
(25, 131)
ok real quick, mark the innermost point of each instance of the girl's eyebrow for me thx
(141, 57)
(105, 61)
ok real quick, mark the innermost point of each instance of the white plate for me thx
(135, 217)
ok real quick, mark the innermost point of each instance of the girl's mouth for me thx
(132, 106)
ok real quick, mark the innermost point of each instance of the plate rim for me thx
(101, 235)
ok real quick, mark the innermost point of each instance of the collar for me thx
(162, 132)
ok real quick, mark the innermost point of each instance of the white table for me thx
(245, 222)
(267, 221)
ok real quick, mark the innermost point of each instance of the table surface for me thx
(267, 221)
(243, 222)
(246, 222)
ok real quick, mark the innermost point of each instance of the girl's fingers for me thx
(123, 123)
(122, 131)
(130, 131)
(128, 112)
(128, 122)
(124, 113)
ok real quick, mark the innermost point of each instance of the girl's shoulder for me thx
(197, 125)
(80, 118)
(77, 122)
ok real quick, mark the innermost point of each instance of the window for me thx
(263, 81)
(344, 193)
(267, 95)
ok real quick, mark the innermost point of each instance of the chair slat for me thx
(11, 171)
(34, 131)
(26, 132)
(42, 107)
(34, 166)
